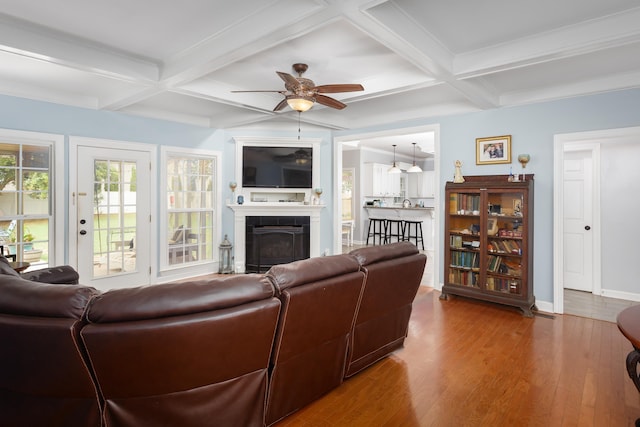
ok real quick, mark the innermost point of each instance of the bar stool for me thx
(377, 227)
(417, 232)
(399, 230)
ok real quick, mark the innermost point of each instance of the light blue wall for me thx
(532, 128)
(23, 114)
(35, 116)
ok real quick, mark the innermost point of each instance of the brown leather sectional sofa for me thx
(243, 350)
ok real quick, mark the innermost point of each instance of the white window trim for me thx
(167, 272)
(57, 189)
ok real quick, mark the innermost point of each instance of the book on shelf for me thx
(499, 284)
(464, 278)
(512, 267)
(461, 203)
(504, 247)
(494, 263)
(453, 203)
(460, 259)
(456, 241)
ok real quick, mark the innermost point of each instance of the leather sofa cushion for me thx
(174, 299)
(61, 274)
(374, 254)
(27, 298)
(6, 269)
(311, 270)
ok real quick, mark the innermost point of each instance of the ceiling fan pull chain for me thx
(299, 125)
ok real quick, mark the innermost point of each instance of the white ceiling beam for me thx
(48, 95)
(393, 28)
(606, 32)
(397, 30)
(281, 21)
(33, 41)
(173, 116)
(222, 100)
(119, 101)
(605, 84)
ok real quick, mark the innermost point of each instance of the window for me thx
(347, 194)
(191, 208)
(25, 200)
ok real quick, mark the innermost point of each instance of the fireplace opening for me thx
(272, 240)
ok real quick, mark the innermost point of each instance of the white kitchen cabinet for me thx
(394, 184)
(413, 184)
(380, 183)
(422, 184)
(427, 187)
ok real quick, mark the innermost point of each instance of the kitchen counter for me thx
(426, 215)
(418, 208)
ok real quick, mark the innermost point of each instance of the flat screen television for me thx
(277, 167)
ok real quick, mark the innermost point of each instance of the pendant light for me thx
(415, 168)
(394, 168)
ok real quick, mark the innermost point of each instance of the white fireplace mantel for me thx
(241, 212)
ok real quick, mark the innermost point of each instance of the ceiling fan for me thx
(301, 93)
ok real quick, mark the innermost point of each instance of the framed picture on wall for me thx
(493, 150)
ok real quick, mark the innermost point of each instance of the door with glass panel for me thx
(113, 217)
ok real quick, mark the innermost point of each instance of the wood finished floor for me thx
(586, 304)
(468, 363)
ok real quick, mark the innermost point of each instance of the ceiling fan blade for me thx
(245, 91)
(281, 105)
(330, 102)
(338, 88)
(289, 79)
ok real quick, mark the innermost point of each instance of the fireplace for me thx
(272, 240)
(251, 208)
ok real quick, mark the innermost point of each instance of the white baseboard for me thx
(610, 293)
(544, 306)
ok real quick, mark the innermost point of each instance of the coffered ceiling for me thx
(415, 58)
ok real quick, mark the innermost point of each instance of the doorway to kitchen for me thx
(376, 146)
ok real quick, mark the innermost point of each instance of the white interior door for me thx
(113, 217)
(578, 221)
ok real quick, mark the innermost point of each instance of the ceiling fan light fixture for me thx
(300, 103)
(394, 168)
(415, 168)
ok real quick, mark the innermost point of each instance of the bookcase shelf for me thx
(489, 241)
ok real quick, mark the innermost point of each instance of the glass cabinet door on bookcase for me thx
(464, 239)
(505, 228)
(489, 241)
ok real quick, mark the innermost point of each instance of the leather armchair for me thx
(183, 354)
(393, 275)
(319, 297)
(44, 379)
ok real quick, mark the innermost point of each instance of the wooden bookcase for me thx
(488, 243)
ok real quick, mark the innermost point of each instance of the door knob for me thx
(586, 227)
